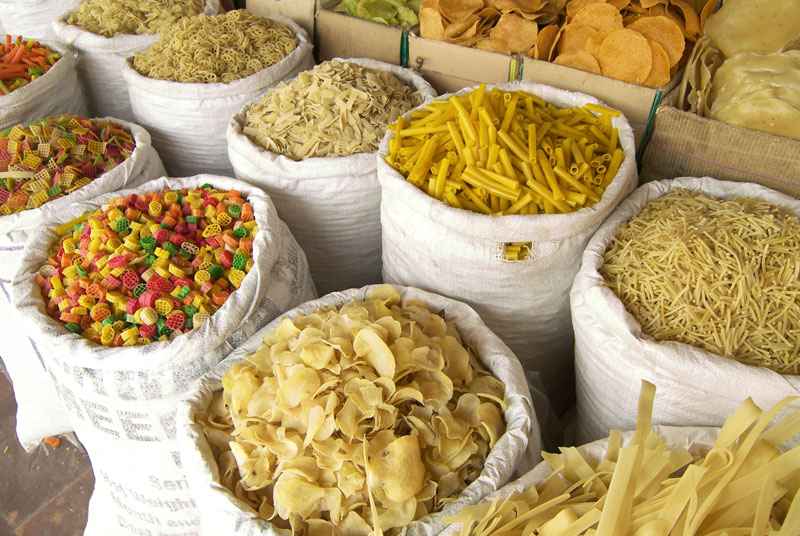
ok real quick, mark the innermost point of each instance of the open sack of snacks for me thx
(33, 18)
(372, 410)
(105, 32)
(160, 283)
(657, 480)
(186, 86)
(29, 93)
(74, 159)
(490, 195)
(691, 284)
(310, 144)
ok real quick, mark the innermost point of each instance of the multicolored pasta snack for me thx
(355, 419)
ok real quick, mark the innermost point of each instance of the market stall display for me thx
(515, 269)
(310, 144)
(124, 417)
(687, 325)
(65, 168)
(214, 66)
(105, 32)
(37, 79)
(737, 479)
(637, 41)
(380, 406)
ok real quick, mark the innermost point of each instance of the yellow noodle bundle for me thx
(743, 486)
(721, 275)
(120, 17)
(355, 420)
(219, 48)
(336, 109)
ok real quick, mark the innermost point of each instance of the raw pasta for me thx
(721, 275)
(358, 419)
(743, 485)
(117, 17)
(336, 109)
(218, 48)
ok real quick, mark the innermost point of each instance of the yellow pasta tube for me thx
(601, 109)
(452, 200)
(441, 177)
(508, 168)
(476, 200)
(476, 101)
(613, 141)
(560, 160)
(421, 131)
(423, 165)
(601, 138)
(613, 167)
(456, 137)
(494, 153)
(532, 143)
(511, 108)
(549, 176)
(521, 202)
(572, 181)
(464, 121)
(548, 197)
(477, 177)
(511, 145)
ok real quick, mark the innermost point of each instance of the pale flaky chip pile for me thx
(762, 26)
(743, 485)
(646, 38)
(355, 420)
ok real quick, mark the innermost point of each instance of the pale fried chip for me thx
(659, 70)
(493, 44)
(592, 45)
(663, 31)
(578, 59)
(708, 9)
(625, 55)
(690, 17)
(573, 6)
(599, 16)
(397, 469)
(574, 36)
(518, 33)
(465, 28)
(458, 10)
(544, 42)
(431, 24)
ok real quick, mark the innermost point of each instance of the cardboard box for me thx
(637, 102)
(683, 144)
(450, 67)
(300, 11)
(343, 36)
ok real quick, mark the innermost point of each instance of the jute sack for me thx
(696, 440)
(517, 449)
(122, 401)
(188, 120)
(612, 355)
(32, 18)
(39, 411)
(332, 205)
(100, 61)
(56, 92)
(459, 253)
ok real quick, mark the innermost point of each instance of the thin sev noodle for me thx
(721, 275)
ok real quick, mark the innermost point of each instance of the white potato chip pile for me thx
(355, 420)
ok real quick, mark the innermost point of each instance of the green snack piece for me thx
(148, 243)
(234, 211)
(110, 319)
(239, 261)
(82, 272)
(240, 232)
(184, 291)
(73, 327)
(190, 310)
(169, 246)
(215, 271)
(122, 224)
(139, 289)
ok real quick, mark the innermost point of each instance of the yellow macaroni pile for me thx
(120, 17)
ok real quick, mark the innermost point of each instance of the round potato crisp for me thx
(659, 70)
(519, 33)
(579, 59)
(663, 31)
(574, 36)
(573, 6)
(544, 42)
(625, 55)
(599, 16)
(458, 10)
(592, 45)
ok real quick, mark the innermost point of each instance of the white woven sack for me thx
(100, 61)
(39, 411)
(696, 440)
(188, 120)
(54, 93)
(517, 450)
(122, 401)
(332, 205)
(32, 18)
(459, 253)
(612, 355)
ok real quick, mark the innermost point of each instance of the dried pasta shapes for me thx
(355, 420)
(744, 484)
(218, 48)
(721, 275)
(110, 18)
(335, 109)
